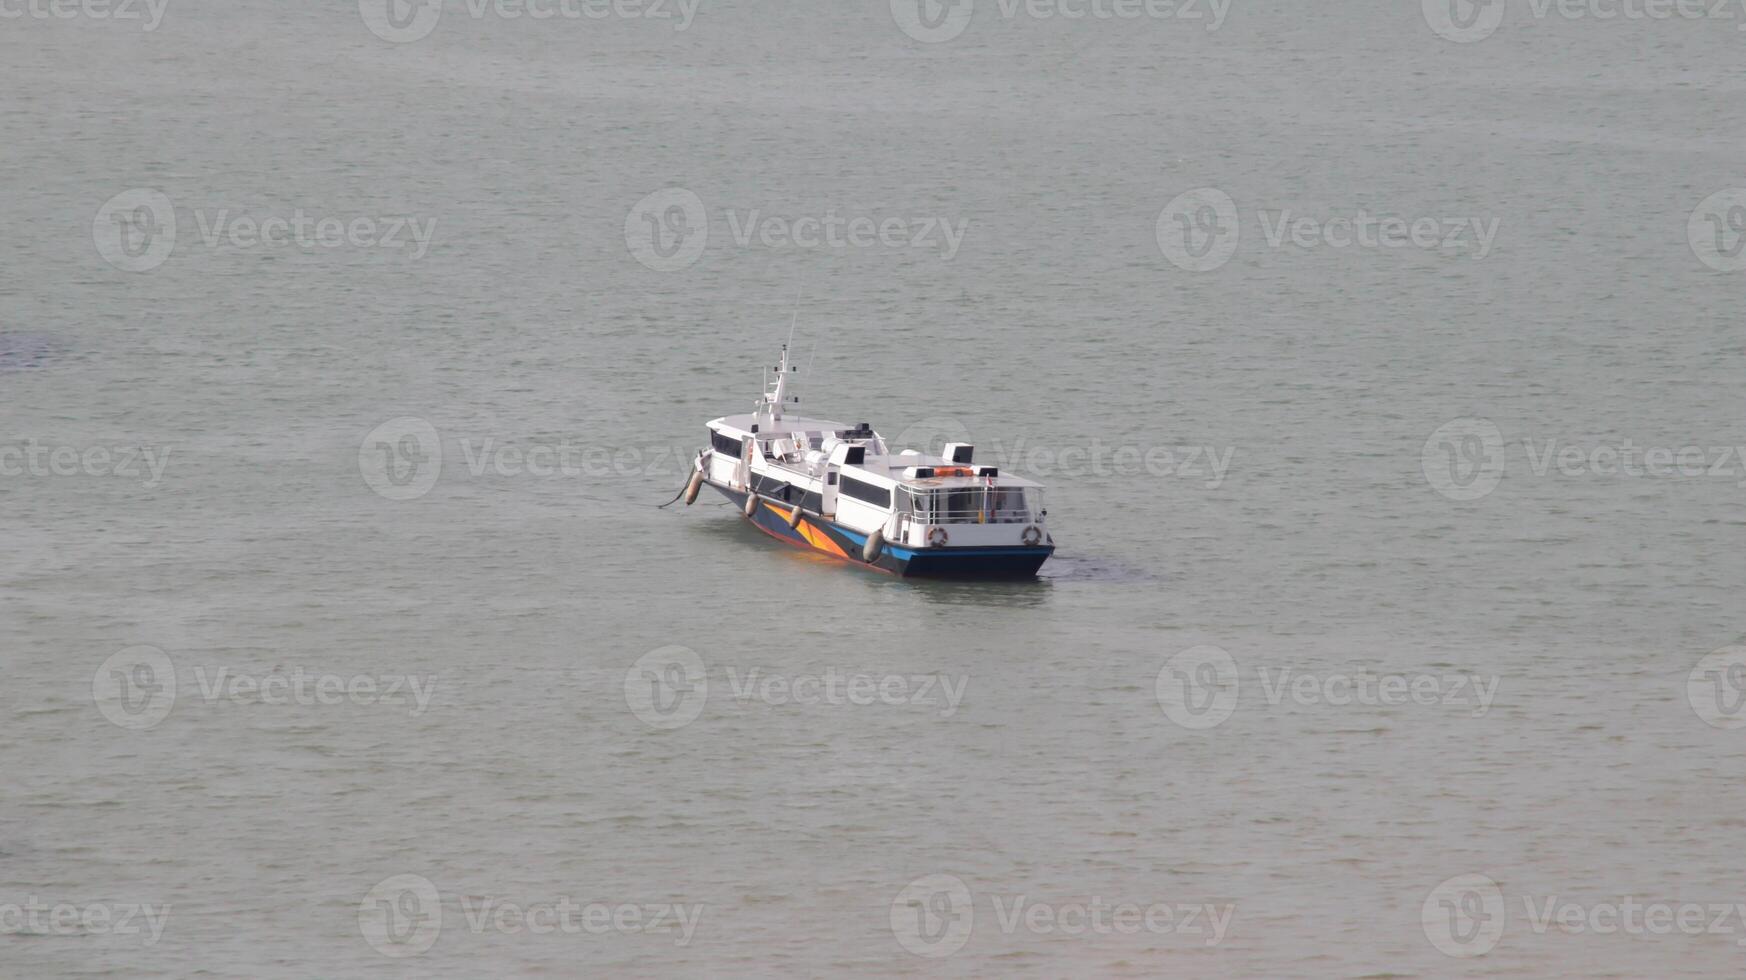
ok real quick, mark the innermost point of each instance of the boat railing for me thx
(997, 505)
(976, 516)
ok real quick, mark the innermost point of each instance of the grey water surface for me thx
(1381, 361)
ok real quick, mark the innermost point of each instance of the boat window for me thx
(726, 445)
(866, 492)
(964, 502)
(1008, 505)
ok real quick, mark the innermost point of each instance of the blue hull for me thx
(817, 534)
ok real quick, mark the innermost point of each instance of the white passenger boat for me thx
(838, 489)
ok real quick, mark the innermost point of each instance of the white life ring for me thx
(1033, 535)
(938, 537)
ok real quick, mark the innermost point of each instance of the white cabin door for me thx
(828, 496)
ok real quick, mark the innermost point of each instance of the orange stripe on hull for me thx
(818, 539)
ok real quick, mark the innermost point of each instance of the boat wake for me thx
(1077, 568)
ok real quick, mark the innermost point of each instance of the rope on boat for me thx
(681, 493)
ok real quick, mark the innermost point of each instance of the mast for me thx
(770, 409)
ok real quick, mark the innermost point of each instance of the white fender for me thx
(875, 544)
(751, 504)
(794, 517)
(691, 488)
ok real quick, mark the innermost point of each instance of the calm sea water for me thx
(340, 635)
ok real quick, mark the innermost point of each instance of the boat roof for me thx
(784, 425)
(889, 467)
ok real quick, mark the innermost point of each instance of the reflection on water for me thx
(1080, 568)
(27, 350)
(1023, 593)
